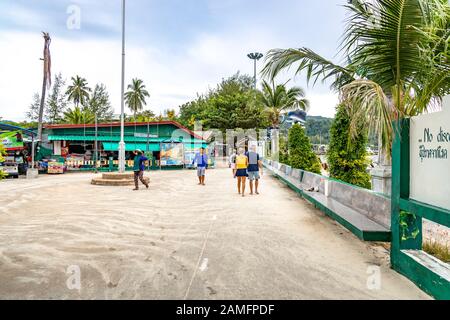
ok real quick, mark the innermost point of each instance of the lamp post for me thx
(122, 102)
(255, 57)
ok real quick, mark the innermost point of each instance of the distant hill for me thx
(318, 129)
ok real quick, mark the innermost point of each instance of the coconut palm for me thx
(277, 99)
(78, 116)
(78, 91)
(398, 61)
(136, 95)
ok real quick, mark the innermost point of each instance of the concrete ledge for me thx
(429, 273)
(346, 214)
(115, 179)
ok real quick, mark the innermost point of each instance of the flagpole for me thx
(122, 146)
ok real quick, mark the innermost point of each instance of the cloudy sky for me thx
(178, 47)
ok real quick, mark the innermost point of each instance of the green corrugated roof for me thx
(117, 139)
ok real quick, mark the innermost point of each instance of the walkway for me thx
(179, 240)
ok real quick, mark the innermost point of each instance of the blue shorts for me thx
(201, 171)
(253, 175)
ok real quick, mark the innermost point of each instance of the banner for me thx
(172, 154)
(12, 140)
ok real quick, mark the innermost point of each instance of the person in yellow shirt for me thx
(241, 171)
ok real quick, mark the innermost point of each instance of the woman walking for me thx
(241, 171)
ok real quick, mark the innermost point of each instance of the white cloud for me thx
(172, 78)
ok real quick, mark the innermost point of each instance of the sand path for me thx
(179, 240)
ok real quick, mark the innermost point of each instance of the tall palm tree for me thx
(136, 95)
(277, 99)
(78, 116)
(398, 61)
(78, 91)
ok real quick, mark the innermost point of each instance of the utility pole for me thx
(122, 102)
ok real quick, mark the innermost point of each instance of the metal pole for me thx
(122, 102)
(32, 151)
(96, 144)
(255, 74)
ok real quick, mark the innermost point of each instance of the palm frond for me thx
(368, 106)
(315, 66)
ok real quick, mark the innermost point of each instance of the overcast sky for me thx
(178, 47)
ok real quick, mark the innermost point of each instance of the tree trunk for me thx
(41, 107)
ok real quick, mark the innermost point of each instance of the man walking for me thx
(254, 168)
(201, 159)
(139, 168)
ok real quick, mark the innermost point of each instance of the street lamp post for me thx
(255, 57)
(122, 102)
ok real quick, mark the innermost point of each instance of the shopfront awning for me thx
(112, 146)
(102, 138)
(113, 139)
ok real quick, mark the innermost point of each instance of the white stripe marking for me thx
(204, 265)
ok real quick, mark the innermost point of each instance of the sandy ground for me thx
(180, 241)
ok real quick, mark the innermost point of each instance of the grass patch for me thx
(438, 250)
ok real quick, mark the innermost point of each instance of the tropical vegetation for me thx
(398, 62)
(79, 115)
(135, 97)
(347, 160)
(233, 104)
(300, 154)
(277, 99)
(2, 153)
(78, 92)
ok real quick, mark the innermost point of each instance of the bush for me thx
(2, 153)
(301, 155)
(347, 159)
(284, 155)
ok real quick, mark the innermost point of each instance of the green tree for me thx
(347, 159)
(145, 116)
(399, 62)
(233, 104)
(301, 155)
(56, 102)
(170, 115)
(78, 91)
(79, 116)
(318, 129)
(277, 99)
(135, 97)
(99, 103)
(33, 110)
(284, 150)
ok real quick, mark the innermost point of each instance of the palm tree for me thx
(135, 96)
(79, 91)
(78, 116)
(398, 62)
(277, 99)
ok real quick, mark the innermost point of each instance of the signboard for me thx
(430, 157)
(172, 154)
(12, 140)
(145, 135)
(55, 168)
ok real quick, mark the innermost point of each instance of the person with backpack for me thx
(139, 168)
(241, 171)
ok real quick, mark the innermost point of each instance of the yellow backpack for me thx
(241, 162)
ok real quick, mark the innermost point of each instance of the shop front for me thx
(88, 147)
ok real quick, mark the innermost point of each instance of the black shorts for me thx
(241, 173)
